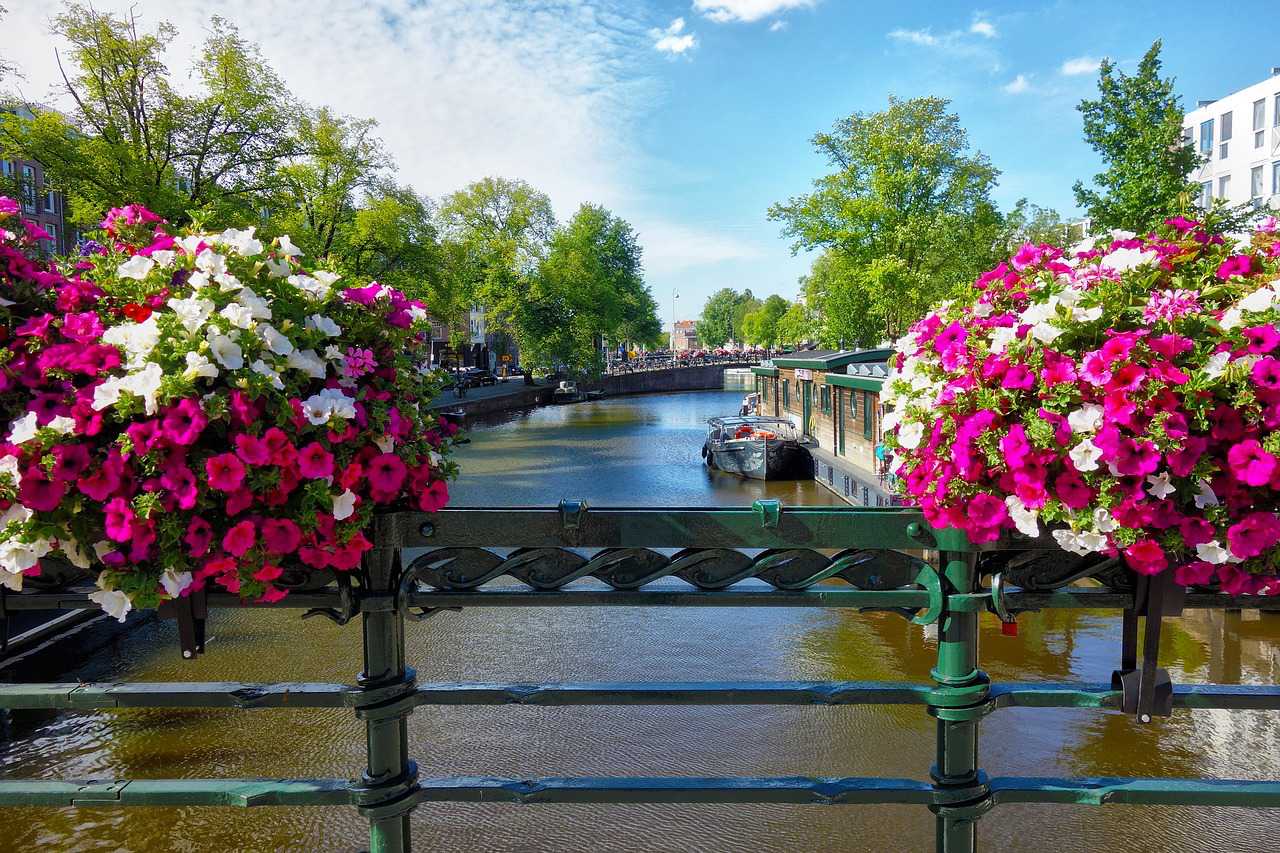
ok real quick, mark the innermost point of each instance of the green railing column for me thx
(390, 778)
(957, 702)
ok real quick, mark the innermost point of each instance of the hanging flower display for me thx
(186, 409)
(1123, 395)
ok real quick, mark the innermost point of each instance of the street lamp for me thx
(674, 297)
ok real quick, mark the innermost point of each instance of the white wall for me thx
(1246, 149)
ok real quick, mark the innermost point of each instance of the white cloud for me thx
(746, 11)
(671, 247)
(777, 26)
(1018, 85)
(1080, 65)
(984, 28)
(923, 38)
(673, 39)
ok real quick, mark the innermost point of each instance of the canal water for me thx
(644, 450)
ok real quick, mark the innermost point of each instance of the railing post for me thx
(956, 702)
(390, 778)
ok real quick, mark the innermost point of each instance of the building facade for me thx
(685, 335)
(40, 204)
(1238, 139)
(834, 398)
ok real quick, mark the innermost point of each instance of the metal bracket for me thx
(347, 604)
(571, 514)
(408, 586)
(768, 511)
(191, 612)
(1147, 691)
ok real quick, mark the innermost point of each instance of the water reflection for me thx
(614, 452)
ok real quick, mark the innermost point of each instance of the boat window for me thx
(786, 393)
(867, 414)
(853, 407)
(826, 399)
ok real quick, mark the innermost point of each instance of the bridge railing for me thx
(853, 558)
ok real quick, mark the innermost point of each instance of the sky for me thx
(688, 118)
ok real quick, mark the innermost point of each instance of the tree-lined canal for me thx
(644, 450)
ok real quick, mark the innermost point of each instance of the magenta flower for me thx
(281, 449)
(224, 472)
(386, 473)
(239, 539)
(252, 450)
(70, 462)
(314, 462)
(1241, 265)
(1018, 378)
(118, 519)
(1266, 373)
(434, 496)
(105, 480)
(281, 536)
(1146, 557)
(1071, 489)
(40, 493)
(1136, 458)
(1250, 464)
(985, 510)
(1253, 534)
(1169, 305)
(184, 422)
(1261, 339)
(1198, 573)
(181, 483)
(358, 362)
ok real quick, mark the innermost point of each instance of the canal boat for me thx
(595, 394)
(760, 448)
(567, 392)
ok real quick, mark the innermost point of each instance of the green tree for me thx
(1030, 223)
(722, 316)
(796, 326)
(588, 288)
(1135, 125)
(131, 136)
(760, 326)
(900, 178)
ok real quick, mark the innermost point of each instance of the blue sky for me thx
(689, 117)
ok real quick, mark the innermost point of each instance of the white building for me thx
(1239, 137)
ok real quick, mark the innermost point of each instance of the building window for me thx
(1259, 121)
(1224, 186)
(1275, 112)
(50, 200)
(28, 189)
(1255, 185)
(1206, 138)
(1225, 133)
(1206, 195)
(6, 168)
(1275, 178)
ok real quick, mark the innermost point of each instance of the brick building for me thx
(39, 203)
(685, 336)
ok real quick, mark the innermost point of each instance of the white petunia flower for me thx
(1068, 540)
(1102, 520)
(287, 248)
(325, 325)
(199, 367)
(1122, 260)
(257, 306)
(227, 283)
(344, 505)
(145, 384)
(136, 267)
(315, 289)
(386, 443)
(1159, 486)
(192, 311)
(1001, 337)
(9, 465)
(332, 353)
(1085, 455)
(308, 362)
(23, 429)
(1232, 318)
(328, 279)
(1091, 543)
(226, 352)
(191, 244)
(164, 257)
(238, 315)
(1087, 418)
(62, 424)
(1086, 315)
(982, 309)
(910, 435)
(175, 582)
(330, 402)
(1206, 496)
(278, 269)
(243, 241)
(261, 368)
(1045, 333)
(137, 340)
(1216, 364)
(1024, 518)
(211, 263)
(276, 342)
(1214, 552)
(113, 601)
(1260, 300)
(75, 555)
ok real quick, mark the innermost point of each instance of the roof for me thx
(832, 359)
(863, 383)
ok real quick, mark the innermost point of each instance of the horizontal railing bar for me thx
(243, 793)
(1152, 792)
(815, 596)
(77, 598)
(246, 696)
(1083, 597)
(676, 527)
(802, 790)
(798, 789)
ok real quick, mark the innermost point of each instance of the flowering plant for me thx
(1125, 393)
(179, 409)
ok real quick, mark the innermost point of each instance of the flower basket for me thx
(1122, 396)
(183, 411)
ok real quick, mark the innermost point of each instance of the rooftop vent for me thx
(1275, 71)
(1204, 102)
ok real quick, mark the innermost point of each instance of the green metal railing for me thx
(717, 558)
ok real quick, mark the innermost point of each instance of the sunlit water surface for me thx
(644, 450)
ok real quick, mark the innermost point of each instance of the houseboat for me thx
(567, 392)
(833, 398)
(756, 447)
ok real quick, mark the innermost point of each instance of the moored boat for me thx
(567, 392)
(757, 447)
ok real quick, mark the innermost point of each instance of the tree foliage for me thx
(760, 325)
(722, 315)
(1135, 125)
